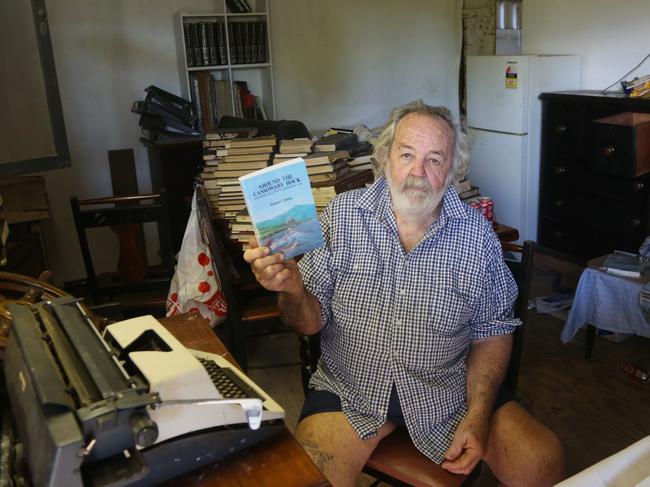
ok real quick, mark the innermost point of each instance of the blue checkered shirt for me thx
(406, 318)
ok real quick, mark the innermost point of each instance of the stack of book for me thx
(241, 229)
(325, 191)
(465, 190)
(292, 148)
(360, 163)
(226, 159)
(328, 166)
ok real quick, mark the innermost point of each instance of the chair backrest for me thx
(522, 271)
(123, 213)
(233, 334)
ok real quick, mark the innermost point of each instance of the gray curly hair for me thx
(460, 159)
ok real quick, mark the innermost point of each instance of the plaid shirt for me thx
(405, 318)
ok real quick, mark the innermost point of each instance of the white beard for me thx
(409, 199)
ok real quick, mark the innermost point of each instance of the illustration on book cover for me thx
(281, 206)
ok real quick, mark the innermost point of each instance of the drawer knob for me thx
(636, 222)
(609, 151)
(638, 186)
(99, 218)
(559, 170)
(557, 234)
(558, 203)
(560, 129)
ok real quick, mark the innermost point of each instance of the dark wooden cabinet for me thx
(174, 165)
(595, 173)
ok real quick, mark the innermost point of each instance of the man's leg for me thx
(335, 447)
(521, 450)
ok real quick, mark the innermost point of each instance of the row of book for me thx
(247, 42)
(205, 43)
(213, 98)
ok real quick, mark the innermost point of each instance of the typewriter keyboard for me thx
(226, 381)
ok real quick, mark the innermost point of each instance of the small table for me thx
(279, 460)
(607, 302)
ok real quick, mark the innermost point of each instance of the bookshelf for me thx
(224, 54)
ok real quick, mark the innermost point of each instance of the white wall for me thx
(611, 37)
(106, 54)
(335, 63)
(341, 62)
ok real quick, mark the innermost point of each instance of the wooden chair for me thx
(396, 460)
(247, 304)
(139, 287)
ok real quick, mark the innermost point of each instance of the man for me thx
(414, 306)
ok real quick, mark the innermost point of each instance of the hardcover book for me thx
(623, 264)
(281, 205)
(335, 142)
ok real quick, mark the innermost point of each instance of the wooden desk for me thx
(277, 461)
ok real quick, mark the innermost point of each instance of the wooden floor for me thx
(594, 408)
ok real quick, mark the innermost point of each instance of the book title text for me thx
(275, 184)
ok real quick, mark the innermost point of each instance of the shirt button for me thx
(355, 267)
(398, 322)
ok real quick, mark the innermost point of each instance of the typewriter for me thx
(131, 407)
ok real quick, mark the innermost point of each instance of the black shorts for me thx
(327, 402)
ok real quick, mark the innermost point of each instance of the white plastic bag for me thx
(195, 285)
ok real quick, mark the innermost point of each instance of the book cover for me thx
(282, 209)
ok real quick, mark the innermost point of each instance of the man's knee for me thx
(522, 451)
(335, 447)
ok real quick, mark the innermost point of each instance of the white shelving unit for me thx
(258, 76)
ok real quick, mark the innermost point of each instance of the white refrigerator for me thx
(504, 126)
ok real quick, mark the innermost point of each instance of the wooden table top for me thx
(506, 233)
(276, 461)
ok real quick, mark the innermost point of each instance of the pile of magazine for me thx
(163, 114)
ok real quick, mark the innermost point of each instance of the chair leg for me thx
(589, 341)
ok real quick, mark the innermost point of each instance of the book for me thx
(231, 173)
(219, 134)
(325, 157)
(252, 165)
(196, 42)
(471, 193)
(264, 141)
(335, 166)
(352, 180)
(261, 156)
(189, 44)
(282, 210)
(335, 141)
(330, 176)
(623, 264)
(462, 186)
(295, 145)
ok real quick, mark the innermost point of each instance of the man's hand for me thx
(468, 445)
(272, 271)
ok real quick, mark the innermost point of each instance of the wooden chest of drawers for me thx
(595, 173)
